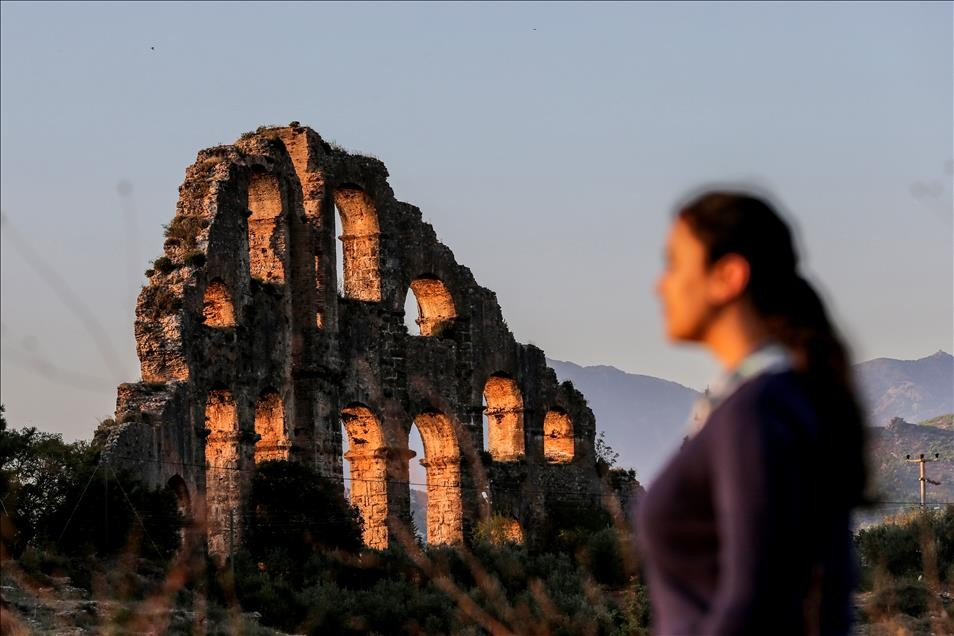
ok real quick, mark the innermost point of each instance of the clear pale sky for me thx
(547, 144)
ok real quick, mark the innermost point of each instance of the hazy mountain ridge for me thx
(911, 389)
(944, 421)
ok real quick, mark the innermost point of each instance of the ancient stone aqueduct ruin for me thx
(251, 350)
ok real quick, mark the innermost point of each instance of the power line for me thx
(356, 479)
(78, 502)
(66, 295)
(135, 512)
(462, 488)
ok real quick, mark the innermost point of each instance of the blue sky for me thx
(547, 144)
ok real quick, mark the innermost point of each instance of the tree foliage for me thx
(57, 496)
(913, 545)
(605, 452)
(294, 510)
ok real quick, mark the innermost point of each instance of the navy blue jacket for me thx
(736, 534)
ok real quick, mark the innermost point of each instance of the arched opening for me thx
(183, 504)
(358, 259)
(221, 466)
(270, 425)
(267, 242)
(504, 411)
(417, 476)
(435, 306)
(217, 307)
(367, 456)
(411, 315)
(442, 465)
(558, 436)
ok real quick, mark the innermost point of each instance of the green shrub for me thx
(195, 259)
(495, 530)
(635, 615)
(163, 264)
(603, 557)
(184, 230)
(159, 301)
(900, 549)
(61, 500)
(569, 524)
(296, 511)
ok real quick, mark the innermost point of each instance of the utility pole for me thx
(922, 479)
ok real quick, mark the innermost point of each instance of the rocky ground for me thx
(55, 606)
(936, 621)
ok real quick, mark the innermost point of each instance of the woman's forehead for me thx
(681, 237)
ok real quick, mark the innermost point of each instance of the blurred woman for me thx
(747, 528)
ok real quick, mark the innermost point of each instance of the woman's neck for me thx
(734, 334)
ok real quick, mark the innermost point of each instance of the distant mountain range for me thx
(645, 418)
(911, 389)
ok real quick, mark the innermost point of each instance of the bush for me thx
(899, 549)
(160, 301)
(496, 530)
(195, 259)
(603, 558)
(62, 501)
(163, 264)
(183, 230)
(294, 512)
(635, 615)
(569, 525)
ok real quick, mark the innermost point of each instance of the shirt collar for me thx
(771, 357)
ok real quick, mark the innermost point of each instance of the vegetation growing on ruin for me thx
(195, 258)
(163, 264)
(161, 301)
(183, 231)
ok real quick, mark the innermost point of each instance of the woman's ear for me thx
(728, 278)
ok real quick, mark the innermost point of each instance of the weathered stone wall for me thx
(249, 352)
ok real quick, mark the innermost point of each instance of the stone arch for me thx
(442, 463)
(218, 310)
(558, 445)
(270, 426)
(435, 305)
(178, 488)
(221, 468)
(267, 242)
(368, 456)
(360, 242)
(183, 501)
(504, 412)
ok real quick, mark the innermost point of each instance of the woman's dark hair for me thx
(728, 222)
